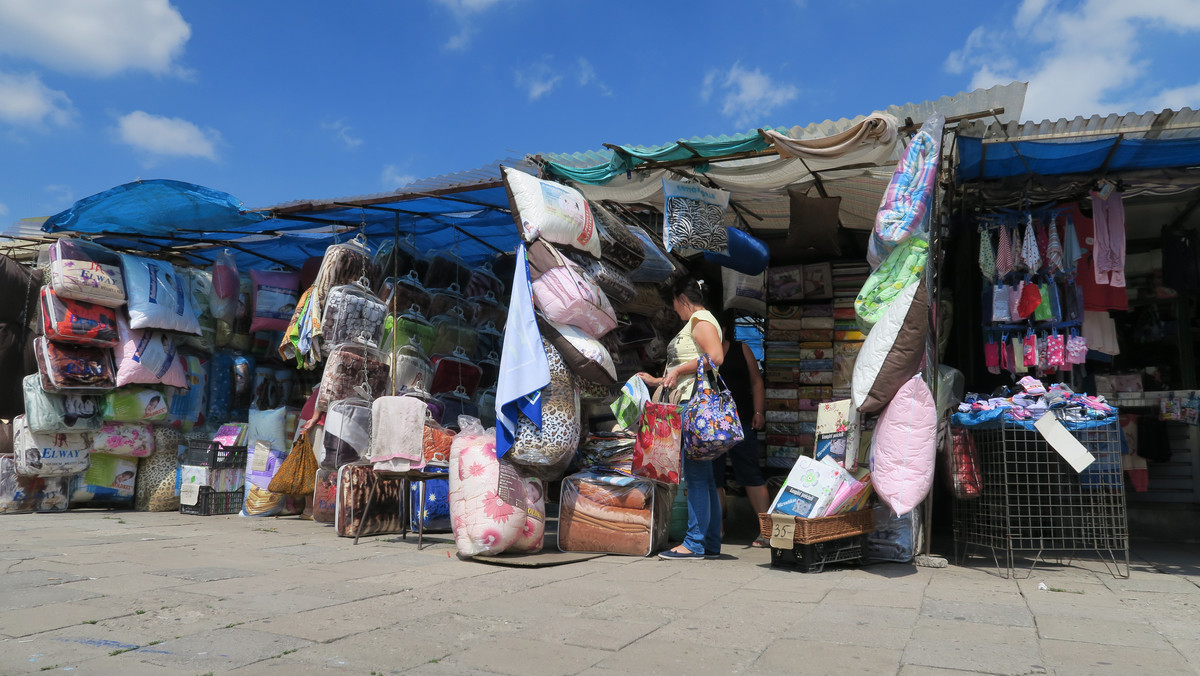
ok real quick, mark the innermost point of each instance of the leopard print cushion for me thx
(156, 474)
(547, 451)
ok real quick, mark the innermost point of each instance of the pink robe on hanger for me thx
(1109, 253)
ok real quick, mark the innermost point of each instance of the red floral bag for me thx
(656, 450)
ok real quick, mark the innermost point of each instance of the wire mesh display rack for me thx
(1034, 505)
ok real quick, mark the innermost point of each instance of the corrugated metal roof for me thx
(460, 181)
(1010, 97)
(1167, 124)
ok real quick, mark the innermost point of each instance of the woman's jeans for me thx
(704, 507)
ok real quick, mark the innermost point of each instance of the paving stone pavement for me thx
(95, 592)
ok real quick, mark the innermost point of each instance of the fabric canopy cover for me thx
(627, 157)
(980, 160)
(156, 208)
(872, 142)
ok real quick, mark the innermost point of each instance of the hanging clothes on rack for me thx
(1097, 296)
(1109, 252)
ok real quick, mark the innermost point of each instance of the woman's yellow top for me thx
(683, 349)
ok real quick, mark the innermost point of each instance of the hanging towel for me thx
(524, 370)
(1043, 241)
(1071, 251)
(1029, 248)
(1109, 253)
(1017, 250)
(1054, 249)
(987, 256)
(1004, 257)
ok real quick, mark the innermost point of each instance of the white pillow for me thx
(158, 296)
(550, 211)
(892, 351)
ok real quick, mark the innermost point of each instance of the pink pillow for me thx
(274, 297)
(147, 356)
(904, 447)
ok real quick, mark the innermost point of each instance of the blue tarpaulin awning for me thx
(989, 159)
(158, 207)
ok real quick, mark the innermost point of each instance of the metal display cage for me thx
(1035, 506)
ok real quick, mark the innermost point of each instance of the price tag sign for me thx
(783, 531)
(189, 494)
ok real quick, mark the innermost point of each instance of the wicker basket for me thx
(823, 529)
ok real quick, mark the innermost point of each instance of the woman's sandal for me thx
(761, 541)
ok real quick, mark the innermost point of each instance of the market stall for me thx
(1078, 239)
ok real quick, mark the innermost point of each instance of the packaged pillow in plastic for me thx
(235, 334)
(135, 404)
(483, 522)
(135, 440)
(200, 285)
(267, 445)
(155, 489)
(147, 357)
(158, 296)
(584, 355)
(76, 321)
(747, 293)
(48, 455)
(231, 387)
(68, 412)
(24, 494)
(262, 502)
(656, 266)
(108, 482)
(74, 368)
(532, 501)
(186, 406)
(226, 285)
(429, 504)
(86, 271)
(274, 298)
(551, 212)
(904, 447)
(694, 217)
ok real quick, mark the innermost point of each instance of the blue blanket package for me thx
(434, 509)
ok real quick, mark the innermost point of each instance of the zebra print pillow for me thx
(694, 216)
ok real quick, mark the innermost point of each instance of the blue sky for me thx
(273, 101)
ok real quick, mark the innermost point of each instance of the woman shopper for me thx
(700, 335)
(741, 376)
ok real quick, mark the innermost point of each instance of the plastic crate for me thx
(813, 558)
(211, 502)
(214, 454)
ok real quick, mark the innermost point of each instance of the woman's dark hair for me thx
(690, 288)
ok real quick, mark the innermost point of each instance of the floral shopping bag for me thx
(711, 424)
(656, 453)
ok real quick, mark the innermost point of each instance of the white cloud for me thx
(26, 100)
(1081, 59)
(97, 37)
(587, 75)
(59, 196)
(156, 135)
(341, 132)
(392, 178)
(1179, 97)
(748, 95)
(3, 209)
(538, 79)
(464, 12)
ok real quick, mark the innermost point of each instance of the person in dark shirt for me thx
(741, 376)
